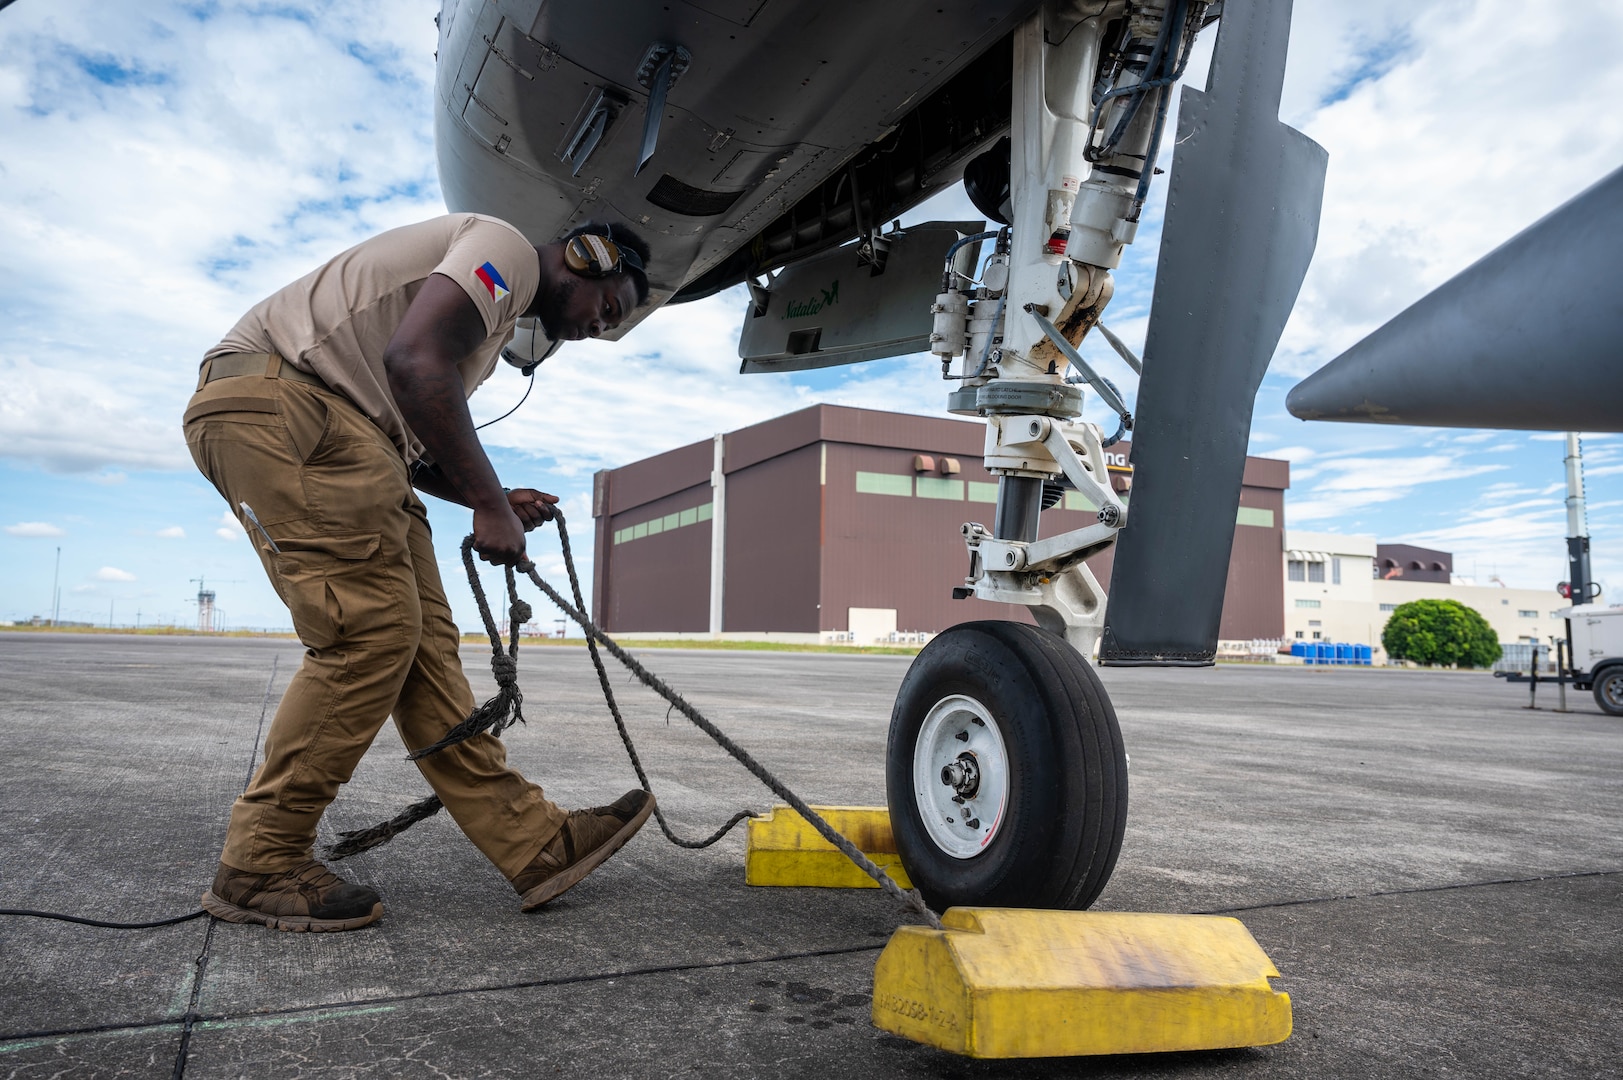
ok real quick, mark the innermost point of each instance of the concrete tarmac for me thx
(1437, 872)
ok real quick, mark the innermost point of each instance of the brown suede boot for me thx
(307, 897)
(586, 840)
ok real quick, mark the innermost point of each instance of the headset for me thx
(590, 255)
(594, 256)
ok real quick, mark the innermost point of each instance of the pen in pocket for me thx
(253, 517)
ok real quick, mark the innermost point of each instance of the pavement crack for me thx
(191, 1017)
(189, 1021)
(1409, 892)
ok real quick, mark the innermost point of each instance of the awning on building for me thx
(1295, 555)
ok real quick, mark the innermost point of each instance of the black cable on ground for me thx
(198, 914)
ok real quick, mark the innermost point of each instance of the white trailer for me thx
(1595, 637)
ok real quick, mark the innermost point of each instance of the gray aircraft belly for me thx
(776, 97)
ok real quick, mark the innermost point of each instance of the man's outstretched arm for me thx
(532, 506)
(442, 327)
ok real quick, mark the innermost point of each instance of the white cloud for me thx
(230, 528)
(172, 532)
(1419, 184)
(1508, 489)
(1336, 506)
(113, 573)
(1355, 483)
(34, 528)
(196, 160)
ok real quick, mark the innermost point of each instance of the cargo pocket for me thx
(240, 442)
(333, 588)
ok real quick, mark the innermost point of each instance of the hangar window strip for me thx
(1308, 603)
(655, 526)
(1251, 515)
(878, 483)
(979, 491)
(939, 487)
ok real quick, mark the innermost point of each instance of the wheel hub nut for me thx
(963, 776)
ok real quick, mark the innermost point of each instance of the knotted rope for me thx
(503, 710)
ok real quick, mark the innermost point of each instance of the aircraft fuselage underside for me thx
(770, 108)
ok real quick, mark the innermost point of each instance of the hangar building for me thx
(842, 524)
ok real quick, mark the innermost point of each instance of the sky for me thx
(164, 166)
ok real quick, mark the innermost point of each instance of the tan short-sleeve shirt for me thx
(336, 320)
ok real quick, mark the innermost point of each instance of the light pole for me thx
(1577, 525)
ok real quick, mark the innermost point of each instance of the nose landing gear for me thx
(1005, 771)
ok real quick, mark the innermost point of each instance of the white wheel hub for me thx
(960, 776)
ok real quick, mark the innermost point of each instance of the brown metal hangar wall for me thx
(891, 534)
(1254, 605)
(652, 543)
(771, 550)
(832, 508)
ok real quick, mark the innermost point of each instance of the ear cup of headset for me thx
(592, 256)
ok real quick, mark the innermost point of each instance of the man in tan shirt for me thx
(318, 413)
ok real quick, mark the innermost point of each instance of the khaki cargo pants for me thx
(357, 572)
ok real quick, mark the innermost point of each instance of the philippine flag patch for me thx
(493, 281)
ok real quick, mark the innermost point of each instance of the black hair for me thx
(624, 238)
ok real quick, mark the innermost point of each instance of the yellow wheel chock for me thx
(1007, 982)
(1015, 982)
(783, 849)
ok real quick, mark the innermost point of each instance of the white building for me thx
(1332, 593)
(1329, 594)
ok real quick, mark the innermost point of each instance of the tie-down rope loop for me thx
(505, 709)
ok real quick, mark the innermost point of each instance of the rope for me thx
(503, 710)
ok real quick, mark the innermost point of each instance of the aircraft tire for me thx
(1045, 803)
(1609, 690)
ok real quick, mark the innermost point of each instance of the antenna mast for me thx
(1577, 525)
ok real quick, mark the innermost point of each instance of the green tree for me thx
(1440, 632)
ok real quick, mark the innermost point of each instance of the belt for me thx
(270, 365)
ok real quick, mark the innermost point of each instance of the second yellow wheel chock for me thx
(1010, 982)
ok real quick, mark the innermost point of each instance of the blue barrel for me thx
(1299, 649)
(1324, 652)
(1344, 654)
(1366, 655)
